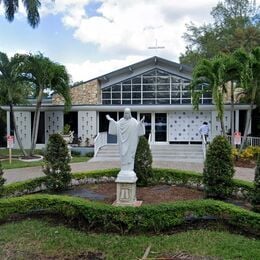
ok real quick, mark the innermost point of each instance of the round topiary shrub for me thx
(256, 191)
(143, 162)
(56, 164)
(218, 169)
(2, 180)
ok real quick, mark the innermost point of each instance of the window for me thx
(152, 87)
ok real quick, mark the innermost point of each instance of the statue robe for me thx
(128, 132)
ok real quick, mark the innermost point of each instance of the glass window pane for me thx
(163, 79)
(116, 95)
(116, 88)
(149, 87)
(175, 94)
(186, 101)
(163, 87)
(106, 95)
(136, 80)
(148, 101)
(126, 101)
(106, 90)
(186, 94)
(116, 101)
(207, 94)
(136, 101)
(106, 101)
(136, 88)
(126, 88)
(176, 80)
(163, 94)
(186, 87)
(207, 101)
(127, 82)
(148, 94)
(126, 95)
(175, 101)
(149, 80)
(176, 86)
(136, 94)
(163, 101)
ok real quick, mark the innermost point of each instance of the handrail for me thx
(204, 146)
(250, 140)
(99, 141)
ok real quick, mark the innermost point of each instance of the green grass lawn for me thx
(19, 164)
(32, 239)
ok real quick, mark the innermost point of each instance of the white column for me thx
(8, 123)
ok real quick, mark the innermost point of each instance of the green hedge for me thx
(169, 176)
(148, 218)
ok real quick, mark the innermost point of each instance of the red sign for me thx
(237, 138)
(10, 141)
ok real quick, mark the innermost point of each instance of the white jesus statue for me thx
(128, 130)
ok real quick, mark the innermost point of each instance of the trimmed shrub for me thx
(143, 162)
(2, 180)
(148, 218)
(256, 190)
(218, 169)
(56, 164)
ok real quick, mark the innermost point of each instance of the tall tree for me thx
(45, 74)
(236, 24)
(209, 76)
(12, 89)
(31, 6)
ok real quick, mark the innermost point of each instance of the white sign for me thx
(237, 138)
(10, 141)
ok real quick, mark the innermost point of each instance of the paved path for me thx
(21, 174)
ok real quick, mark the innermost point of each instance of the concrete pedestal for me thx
(126, 189)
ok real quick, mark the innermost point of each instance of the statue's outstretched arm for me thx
(109, 118)
(143, 118)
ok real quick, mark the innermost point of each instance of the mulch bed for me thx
(245, 163)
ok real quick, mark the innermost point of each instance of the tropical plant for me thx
(235, 25)
(56, 164)
(256, 192)
(218, 169)
(143, 162)
(209, 76)
(13, 90)
(31, 6)
(45, 74)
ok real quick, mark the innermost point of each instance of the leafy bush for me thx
(218, 169)
(256, 191)
(148, 218)
(2, 180)
(56, 164)
(143, 162)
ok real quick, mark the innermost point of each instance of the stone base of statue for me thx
(126, 189)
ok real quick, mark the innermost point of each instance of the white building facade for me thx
(155, 88)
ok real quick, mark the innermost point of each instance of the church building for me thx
(155, 88)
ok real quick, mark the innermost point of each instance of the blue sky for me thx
(92, 37)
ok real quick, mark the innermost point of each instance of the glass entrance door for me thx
(147, 122)
(160, 127)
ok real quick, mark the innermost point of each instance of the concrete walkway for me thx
(21, 174)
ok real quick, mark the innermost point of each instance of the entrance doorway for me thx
(160, 127)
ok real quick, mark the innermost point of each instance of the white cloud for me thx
(90, 69)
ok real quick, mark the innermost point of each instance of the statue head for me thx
(127, 113)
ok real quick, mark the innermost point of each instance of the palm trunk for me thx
(222, 126)
(232, 113)
(248, 117)
(13, 121)
(36, 121)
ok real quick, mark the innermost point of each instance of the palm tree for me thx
(12, 89)
(45, 74)
(31, 6)
(249, 66)
(210, 74)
